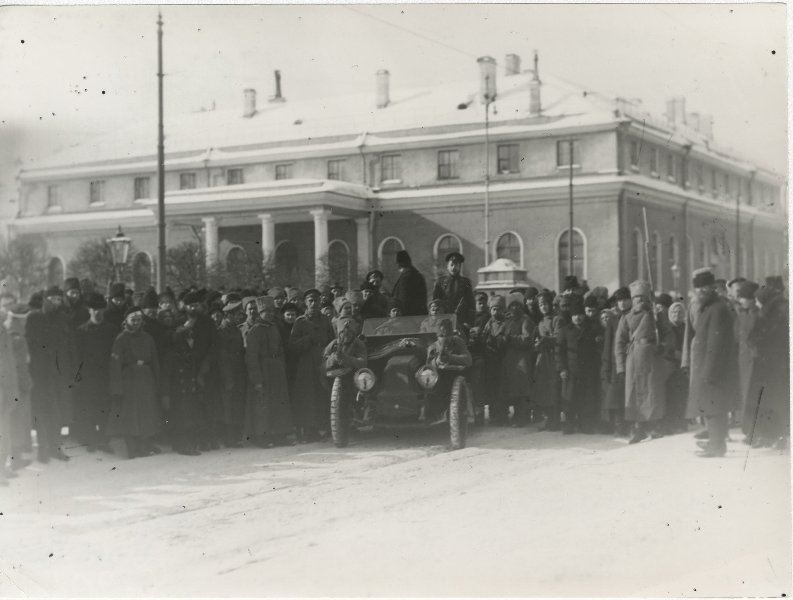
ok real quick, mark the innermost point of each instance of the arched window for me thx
(286, 263)
(386, 258)
(658, 255)
(141, 272)
(563, 254)
(339, 263)
(443, 245)
(509, 245)
(55, 272)
(637, 256)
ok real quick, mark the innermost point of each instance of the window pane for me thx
(447, 164)
(578, 256)
(508, 246)
(338, 264)
(283, 171)
(391, 167)
(336, 170)
(141, 188)
(508, 159)
(234, 177)
(563, 153)
(187, 181)
(53, 196)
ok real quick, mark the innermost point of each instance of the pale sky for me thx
(726, 59)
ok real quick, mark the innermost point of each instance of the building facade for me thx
(328, 188)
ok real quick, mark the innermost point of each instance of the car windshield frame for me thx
(404, 326)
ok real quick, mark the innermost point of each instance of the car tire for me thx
(339, 424)
(458, 419)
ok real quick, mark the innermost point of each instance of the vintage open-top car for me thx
(399, 387)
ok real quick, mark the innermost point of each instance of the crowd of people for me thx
(205, 368)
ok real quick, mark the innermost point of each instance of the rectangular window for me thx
(700, 175)
(97, 192)
(336, 170)
(187, 181)
(283, 171)
(563, 153)
(714, 187)
(391, 167)
(234, 177)
(671, 173)
(53, 196)
(635, 155)
(727, 186)
(448, 162)
(142, 187)
(654, 161)
(508, 158)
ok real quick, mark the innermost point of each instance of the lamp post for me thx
(119, 251)
(489, 99)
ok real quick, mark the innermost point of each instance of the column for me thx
(364, 243)
(268, 236)
(320, 244)
(210, 241)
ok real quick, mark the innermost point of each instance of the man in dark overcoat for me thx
(456, 291)
(713, 362)
(411, 288)
(51, 368)
(116, 306)
(613, 405)
(233, 373)
(92, 389)
(311, 333)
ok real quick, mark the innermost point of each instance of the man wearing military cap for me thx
(232, 371)
(456, 291)
(643, 341)
(311, 333)
(711, 358)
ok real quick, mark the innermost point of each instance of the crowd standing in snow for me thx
(205, 368)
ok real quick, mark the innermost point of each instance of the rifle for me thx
(650, 273)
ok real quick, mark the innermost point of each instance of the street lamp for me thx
(489, 99)
(119, 251)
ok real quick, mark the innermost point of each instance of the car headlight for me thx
(364, 379)
(427, 377)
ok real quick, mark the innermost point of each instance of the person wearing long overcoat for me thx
(517, 363)
(8, 398)
(579, 369)
(92, 389)
(268, 410)
(21, 416)
(746, 314)
(182, 392)
(713, 362)
(311, 333)
(456, 291)
(233, 372)
(134, 387)
(545, 376)
(677, 384)
(52, 372)
(769, 391)
(643, 340)
(613, 384)
(492, 340)
(411, 287)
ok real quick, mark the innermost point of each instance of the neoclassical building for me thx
(349, 181)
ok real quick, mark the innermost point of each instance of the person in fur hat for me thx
(612, 409)
(517, 363)
(134, 385)
(310, 334)
(116, 306)
(92, 390)
(456, 291)
(232, 370)
(493, 340)
(545, 375)
(746, 313)
(49, 338)
(643, 341)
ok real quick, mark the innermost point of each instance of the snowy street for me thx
(517, 513)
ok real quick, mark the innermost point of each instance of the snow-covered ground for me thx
(517, 513)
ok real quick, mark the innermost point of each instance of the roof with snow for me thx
(346, 122)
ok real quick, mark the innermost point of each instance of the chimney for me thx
(535, 104)
(249, 103)
(277, 97)
(676, 111)
(511, 64)
(383, 98)
(487, 79)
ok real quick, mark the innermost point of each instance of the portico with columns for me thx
(277, 219)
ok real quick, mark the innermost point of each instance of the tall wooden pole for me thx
(488, 100)
(161, 283)
(570, 270)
